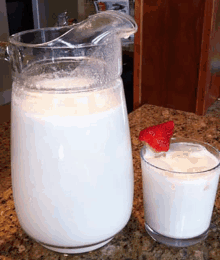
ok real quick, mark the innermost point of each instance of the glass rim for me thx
(179, 140)
(13, 39)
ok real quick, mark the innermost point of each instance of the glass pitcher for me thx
(71, 158)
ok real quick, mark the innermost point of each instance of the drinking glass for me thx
(178, 205)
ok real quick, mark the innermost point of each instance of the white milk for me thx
(179, 205)
(72, 165)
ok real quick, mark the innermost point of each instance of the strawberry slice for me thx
(158, 136)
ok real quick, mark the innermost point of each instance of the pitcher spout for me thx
(96, 29)
(113, 22)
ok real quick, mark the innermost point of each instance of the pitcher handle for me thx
(4, 51)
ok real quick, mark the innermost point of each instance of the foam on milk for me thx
(184, 157)
(70, 102)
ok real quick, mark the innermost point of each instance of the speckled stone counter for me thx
(132, 242)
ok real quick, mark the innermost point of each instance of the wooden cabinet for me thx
(172, 54)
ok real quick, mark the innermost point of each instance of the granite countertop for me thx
(132, 242)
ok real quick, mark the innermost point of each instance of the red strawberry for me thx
(158, 136)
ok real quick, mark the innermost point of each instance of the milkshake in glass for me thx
(179, 188)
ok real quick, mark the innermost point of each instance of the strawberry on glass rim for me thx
(158, 136)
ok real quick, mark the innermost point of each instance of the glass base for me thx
(76, 250)
(175, 242)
